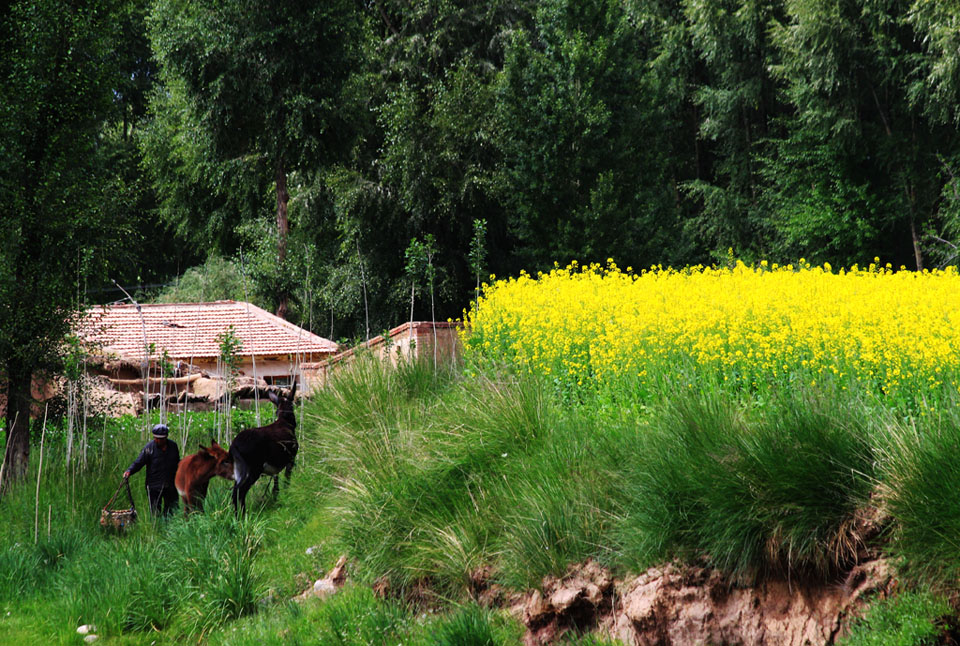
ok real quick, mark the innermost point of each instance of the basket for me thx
(118, 519)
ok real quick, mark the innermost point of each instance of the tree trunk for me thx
(917, 252)
(283, 228)
(19, 400)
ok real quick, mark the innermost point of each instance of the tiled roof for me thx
(190, 330)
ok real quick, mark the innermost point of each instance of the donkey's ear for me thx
(203, 449)
(293, 391)
(273, 397)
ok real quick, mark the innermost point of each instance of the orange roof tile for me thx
(190, 330)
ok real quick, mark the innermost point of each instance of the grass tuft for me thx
(921, 470)
(768, 492)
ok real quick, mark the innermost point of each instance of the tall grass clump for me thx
(185, 576)
(921, 464)
(470, 625)
(428, 490)
(775, 489)
(562, 501)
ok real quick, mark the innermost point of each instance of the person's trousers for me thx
(165, 497)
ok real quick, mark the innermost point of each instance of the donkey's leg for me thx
(200, 495)
(240, 493)
(242, 482)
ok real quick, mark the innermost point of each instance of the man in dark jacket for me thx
(161, 457)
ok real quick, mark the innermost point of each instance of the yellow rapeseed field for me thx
(895, 330)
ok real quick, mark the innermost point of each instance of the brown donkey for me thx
(196, 470)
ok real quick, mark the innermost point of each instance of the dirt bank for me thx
(685, 605)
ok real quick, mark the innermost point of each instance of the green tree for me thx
(736, 100)
(856, 171)
(586, 170)
(935, 90)
(152, 252)
(57, 83)
(421, 107)
(260, 81)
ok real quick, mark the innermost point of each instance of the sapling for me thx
(478, 253)
(253, 357)
(414, 256)
(429, 250)
(363, 280)
(419, 257)
(229, 358)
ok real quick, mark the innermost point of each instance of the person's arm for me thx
(139, 463)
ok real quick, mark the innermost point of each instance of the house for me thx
(410, 340)
(182, 351)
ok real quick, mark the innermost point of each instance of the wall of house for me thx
(408, 341)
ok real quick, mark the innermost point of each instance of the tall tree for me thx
(56, 90)
(857, 166)
(736, 101)
(587, 170)
(262, 81)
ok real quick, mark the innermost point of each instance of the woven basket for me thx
(118, 519)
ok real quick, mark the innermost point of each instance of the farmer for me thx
(161, 457)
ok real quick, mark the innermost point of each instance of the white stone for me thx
(324, 588)
(90, 639)
(85, 629)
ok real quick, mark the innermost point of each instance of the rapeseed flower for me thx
(893, 330)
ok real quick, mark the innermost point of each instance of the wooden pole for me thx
(36, 515)
(246, 300)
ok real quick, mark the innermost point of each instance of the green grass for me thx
(759, 491)
(428, 476)
(921, 465)
(355, 617)
(908, 619)
(431, 484)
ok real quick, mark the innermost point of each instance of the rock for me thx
(577, 600)
(563, 598)
(90, 638)
(693, 605)
(675, 605)
(86, 629)
(338, 575)
(323, 588)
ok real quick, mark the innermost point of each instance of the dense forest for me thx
(330, 160)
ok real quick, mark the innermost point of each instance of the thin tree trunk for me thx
(917, 252)
(283, 229)
(19, 399)
(363, 280)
